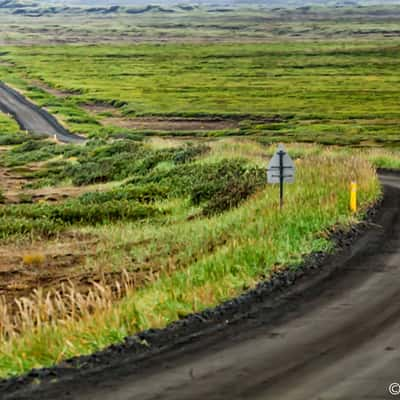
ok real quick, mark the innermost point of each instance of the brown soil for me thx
(13, 180)
(158, 123)
(10, 181)
(50, 264)
(53, 91)
(6, 63)
(63, 260)
(97, 109)
(50, 194)
(171, 124)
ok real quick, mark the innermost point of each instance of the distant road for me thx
(334, 336)
(32, 118)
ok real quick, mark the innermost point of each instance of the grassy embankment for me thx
(200, 251)
(325, 92)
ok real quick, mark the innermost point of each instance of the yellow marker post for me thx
(353, 197)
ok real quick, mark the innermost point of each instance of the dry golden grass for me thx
(64, 304)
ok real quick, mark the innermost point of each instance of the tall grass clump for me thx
(65, 303)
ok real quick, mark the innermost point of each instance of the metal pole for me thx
(281, 154)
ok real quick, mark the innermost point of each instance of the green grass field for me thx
(331, 92)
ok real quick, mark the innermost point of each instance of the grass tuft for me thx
(34, 259)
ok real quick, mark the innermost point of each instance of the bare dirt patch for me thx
(53, 91)
(10, 181)
(61, 260)
(171, 124)
(112, 116)
(97, 109)
(6, 63)
(51, 194)
(58, 265)
(13, 181)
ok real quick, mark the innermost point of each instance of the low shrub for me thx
(46, 219)
(96, 161)
(88, 173)
(12, 139)
(32, 150)
(233, 187)
(123, 159)
(216, 186)
(141, 194)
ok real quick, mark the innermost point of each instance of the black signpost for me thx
(281, 170)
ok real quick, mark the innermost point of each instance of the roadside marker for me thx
(353, 197)
(281, 170)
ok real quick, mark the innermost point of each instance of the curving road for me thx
(334, 337)
(32, 118)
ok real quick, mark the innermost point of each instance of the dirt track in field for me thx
(113, 116)
(171, 124)
(167, 124)
(331, 336)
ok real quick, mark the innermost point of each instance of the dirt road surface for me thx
(33, 118)
(334, 337)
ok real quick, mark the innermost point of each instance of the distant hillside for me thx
(39, 8)
(12, 4)
(160, 21)
(266, 3)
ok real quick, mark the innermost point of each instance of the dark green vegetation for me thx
(10, 132)
(331, 93)
(45, 219)
(97, 161)
(155, 175)
(218, 186)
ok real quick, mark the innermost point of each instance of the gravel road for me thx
(32, 118)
